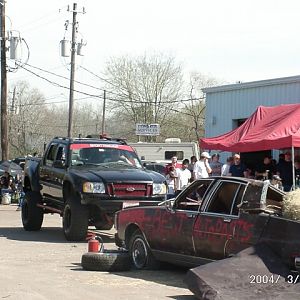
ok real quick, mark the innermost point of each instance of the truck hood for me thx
(111, 174)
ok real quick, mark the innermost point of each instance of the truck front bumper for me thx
(113, 204)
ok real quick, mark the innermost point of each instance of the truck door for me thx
(46, 170)
(58, 172)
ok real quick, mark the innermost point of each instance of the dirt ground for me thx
(43, 265)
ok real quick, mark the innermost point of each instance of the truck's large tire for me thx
(32, 216)
(109, 260)
(75, 219)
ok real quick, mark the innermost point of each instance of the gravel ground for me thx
(42, 265)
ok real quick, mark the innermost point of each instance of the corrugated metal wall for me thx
(224, 105)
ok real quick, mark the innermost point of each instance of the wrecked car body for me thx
(211, 219)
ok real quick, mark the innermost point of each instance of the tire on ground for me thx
(140, 252)
(32, 216)
(109, 260)
(75, 219)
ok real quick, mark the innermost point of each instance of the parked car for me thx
(154, 166)
(86, 180)
(211, 219)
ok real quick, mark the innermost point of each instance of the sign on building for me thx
(147, 129)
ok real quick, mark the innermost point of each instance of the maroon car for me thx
(211, 219)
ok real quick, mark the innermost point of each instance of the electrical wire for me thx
(108, 98)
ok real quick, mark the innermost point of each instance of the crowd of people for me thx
(279, 174)
(11, 187)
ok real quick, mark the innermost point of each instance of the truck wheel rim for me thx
(139, 253)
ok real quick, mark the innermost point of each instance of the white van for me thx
(163, 152)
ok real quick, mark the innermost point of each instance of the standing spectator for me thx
(285, 171)
(297, 173)
(281, 158)
(226, 167)
(215, 165)
(173, 165)
(201, 167)
(171, 181)
(237, 169)
(265, 170)
(191, 166)
(183, 176)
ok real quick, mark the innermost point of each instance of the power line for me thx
(109, 98)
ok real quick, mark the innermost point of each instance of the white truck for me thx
(163, 152)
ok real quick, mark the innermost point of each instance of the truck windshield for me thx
(97, 154)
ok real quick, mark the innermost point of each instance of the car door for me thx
(216, 223)
(176, 224)
(46, 170)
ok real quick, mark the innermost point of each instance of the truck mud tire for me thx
(107, 261)
(140, 253)
(75, 219)
(32, 216)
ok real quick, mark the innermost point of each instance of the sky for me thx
(231, 40)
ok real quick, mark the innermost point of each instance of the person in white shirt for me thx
(183, 176)
(226, 167)
(171, 181)
(201, 167)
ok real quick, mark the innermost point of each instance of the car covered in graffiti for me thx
(211, 219)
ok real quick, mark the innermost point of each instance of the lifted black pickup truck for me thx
(86, 181)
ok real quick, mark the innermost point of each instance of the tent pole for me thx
(293, 165)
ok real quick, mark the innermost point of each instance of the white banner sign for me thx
(147, 129)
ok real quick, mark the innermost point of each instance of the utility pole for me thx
(4, 134)
(103, 112)
(72, 73)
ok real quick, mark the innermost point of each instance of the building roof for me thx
(252, 84)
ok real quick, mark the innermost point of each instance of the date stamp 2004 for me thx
(273, 279)
(264, 279)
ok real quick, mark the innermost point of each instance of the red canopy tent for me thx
(268, 128)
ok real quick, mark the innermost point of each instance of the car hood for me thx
(112, 174)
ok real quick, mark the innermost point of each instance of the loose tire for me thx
(75, 219)
(140, 252)
(107, 261)
(32, 216)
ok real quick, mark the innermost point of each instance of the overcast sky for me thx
(231, 40)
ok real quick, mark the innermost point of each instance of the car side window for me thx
(191, 198)
(51, 155)
(226, 198)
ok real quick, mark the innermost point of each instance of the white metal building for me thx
(228, 106)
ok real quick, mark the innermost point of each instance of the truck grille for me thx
(130, 189)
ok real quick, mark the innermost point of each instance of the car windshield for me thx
(102, 154)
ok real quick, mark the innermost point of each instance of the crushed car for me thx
(212, 219)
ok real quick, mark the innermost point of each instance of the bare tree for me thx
(26, 116)
(144, 86)
(194, 109)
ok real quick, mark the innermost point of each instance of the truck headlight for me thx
(159, 189)
(93, 187)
